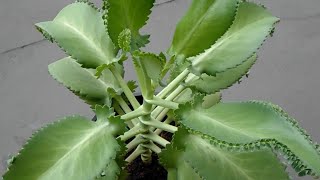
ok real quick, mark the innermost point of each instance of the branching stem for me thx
(167, 121)
(175, 83)
(132, 99)
(134, 143)
(152, 147)
(136, 153)
(132, 132)
(160, 125)
(155, 138)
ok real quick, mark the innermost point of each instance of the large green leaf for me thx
(115, 169)
(83, 81)
(223, 80)
(191, 153)
(177, 167)
(79, 29)
(73, 148)
(128, 14)
(203, 24)
(252, 25)
(254, 124)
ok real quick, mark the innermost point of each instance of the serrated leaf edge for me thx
(82, 94)
(195, 89)
(105, 17)
(296, 163)
(271, 31)
(47, 36)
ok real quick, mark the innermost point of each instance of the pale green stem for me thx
(167, 121)
(132, 133)
(157, 111)
(173, 84)
(132, 99)
(163, 103)
(134, 143)
(134, 114)
(118, 109)
(162, 115)
(152, 147)
(160, 125)
(175, 93)
(136, 153)
(125, 107)
(155, 138)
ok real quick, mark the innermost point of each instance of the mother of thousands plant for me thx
(214, 45)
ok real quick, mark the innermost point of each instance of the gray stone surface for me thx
(286, 73)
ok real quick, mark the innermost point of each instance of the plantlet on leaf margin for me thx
(214, 46)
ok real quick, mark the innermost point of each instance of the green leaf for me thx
(103, 113)
(151, 65)
(211, 100)
(128, 14)
(178, 169)
(83, 81)
(251, 27)
(79, 30)
(73, 148)
(212, 162)
(132, 86)
(204, 23)
(124, 40)
(114, 170)
(254, 124)
(223, 80)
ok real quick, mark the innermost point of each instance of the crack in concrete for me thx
(39, 41)
(22, 47)
(312, 16)
(166, 2)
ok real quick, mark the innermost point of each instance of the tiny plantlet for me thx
(214, 46)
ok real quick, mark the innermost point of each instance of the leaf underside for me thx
(250, 28)
(79, 30)
(128, 14)
(73, 148)
(199, 158)
(254, 125)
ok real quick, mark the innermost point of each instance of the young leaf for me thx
(124, 40)
(203, 24)
(103, 113)
(252, 25)
(73, 148)
(254, 122)
(150, 64)
(211, 100)
(80, 31)
(209, 160)
(82, 81)
(223, 80)
(128, 14)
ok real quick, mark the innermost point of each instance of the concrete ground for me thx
(287, 72)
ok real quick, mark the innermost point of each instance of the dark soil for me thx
(139, 171)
